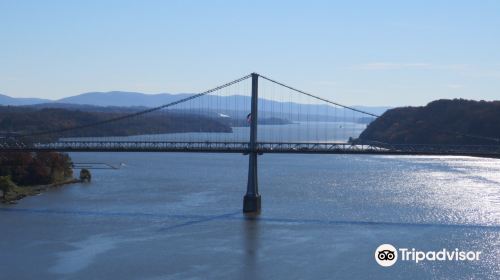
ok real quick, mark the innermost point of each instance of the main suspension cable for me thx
(136, 113)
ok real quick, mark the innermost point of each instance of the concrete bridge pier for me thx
(252, 200)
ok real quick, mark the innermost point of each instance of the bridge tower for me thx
(251, 200)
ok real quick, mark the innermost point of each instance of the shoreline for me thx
(20, 192)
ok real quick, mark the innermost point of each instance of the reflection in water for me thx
(251, 229)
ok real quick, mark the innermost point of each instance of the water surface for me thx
(178, 216)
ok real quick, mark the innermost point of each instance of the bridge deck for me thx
(262, 147)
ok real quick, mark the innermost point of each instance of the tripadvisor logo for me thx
(387, 255)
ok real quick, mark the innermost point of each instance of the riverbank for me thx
(441, 122)
(14, 193)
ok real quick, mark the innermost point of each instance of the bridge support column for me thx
(251, 201)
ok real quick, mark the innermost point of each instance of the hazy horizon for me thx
(181, 93)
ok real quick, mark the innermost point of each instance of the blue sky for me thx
(354, 52)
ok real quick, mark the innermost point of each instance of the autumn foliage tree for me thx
(25, 168)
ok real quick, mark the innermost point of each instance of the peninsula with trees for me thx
(447, 122)
(26, 173)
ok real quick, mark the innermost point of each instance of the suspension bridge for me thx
(251, 115)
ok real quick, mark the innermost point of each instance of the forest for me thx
(457, 121)
(26, 168)
(26, 173)
(16, 121)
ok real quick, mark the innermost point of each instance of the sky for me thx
(377, 53)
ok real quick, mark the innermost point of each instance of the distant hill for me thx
(95, 101)
(122, 99)
(7, 100)
(26, 120)
(455, 121)
(87, 108)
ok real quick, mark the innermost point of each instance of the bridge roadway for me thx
(262, 147)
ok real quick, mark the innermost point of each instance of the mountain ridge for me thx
(136, 99)
(20, 101)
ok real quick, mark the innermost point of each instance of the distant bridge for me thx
(277, 118)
